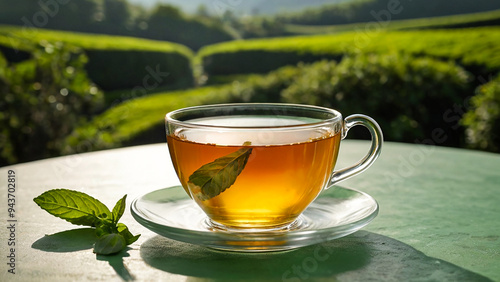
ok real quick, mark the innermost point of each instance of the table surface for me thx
(439, 220)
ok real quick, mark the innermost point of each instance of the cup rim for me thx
(337, 116)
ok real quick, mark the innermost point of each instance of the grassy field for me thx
(469, 47)
(11, 35)
(474, 19)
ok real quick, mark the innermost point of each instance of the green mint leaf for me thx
(119, 209)
(123, 230)
(109, 244)
(214, 178)
(73, 206)
(105, 227)
(82, 209)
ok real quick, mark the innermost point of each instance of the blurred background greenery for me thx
(86, 75)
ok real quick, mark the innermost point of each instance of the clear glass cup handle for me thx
(375, 149)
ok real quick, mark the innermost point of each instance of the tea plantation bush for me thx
(368, 10)
(42, 100)
(114, 62)
(483, 119)
(258, 88)
(138, 69)
(481, 19)
(406, 95)
(476, 49)
(258, 61)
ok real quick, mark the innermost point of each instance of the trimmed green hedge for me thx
(474, 48)
(406, 95)
(489, 18)
(257, 61)
(114, 62)
(139, 70)
(482, 121)
(261, 88)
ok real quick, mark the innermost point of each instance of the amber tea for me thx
(275, 186)
(259, 166)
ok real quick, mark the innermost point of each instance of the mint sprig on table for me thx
(81, 209)
(215, 177)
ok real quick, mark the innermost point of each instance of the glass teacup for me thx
(259, 166)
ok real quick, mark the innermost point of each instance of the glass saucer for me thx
(337, 212)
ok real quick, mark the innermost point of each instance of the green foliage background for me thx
(115, 17)
(67, 92)
(483, 118)
(368, 10)
(475, 48)
(407, 95)
(42, 101)
(114, 62)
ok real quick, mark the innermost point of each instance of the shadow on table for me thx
(358, 257)
(67, 241)
(78, 240)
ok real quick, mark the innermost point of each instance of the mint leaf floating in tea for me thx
(82, 209)
(214, 178)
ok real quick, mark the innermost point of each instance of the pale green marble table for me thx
(439, 220)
